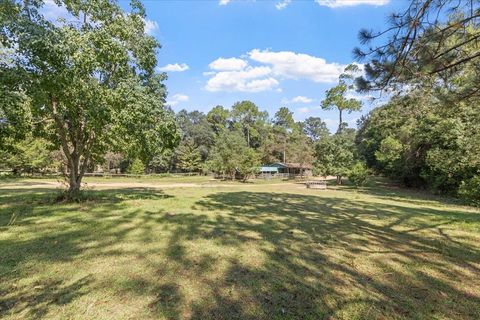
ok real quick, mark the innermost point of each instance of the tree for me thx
(195, 128)
(391, 154)
(284, 118)
(389, 142)
(15, 116)
(231, 156)
(336, 97)
(29, 155)
(224, 156)
(162, 161)
(218, 119)
(428, 42)
(189, 158)
(334, 155)
(87, 103)
(299, 148)
(249, 163)
(272, 148)
(315, 128)
(470, 190)
(283, 124)
(247, 118)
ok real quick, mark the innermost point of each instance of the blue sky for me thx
(274, 53)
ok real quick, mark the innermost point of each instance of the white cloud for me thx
(301, 99)
(223, 2)
(252, 79)
(176, 67)
(150, 26)
(176, 98)
(262, 70)
(350, 3)
(52, 12)
(304, 110)
(291, 65)
(282, 4)
(228, 64)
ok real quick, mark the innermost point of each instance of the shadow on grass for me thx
(322, 258)
(13, 197)
(45, 293)
(99, 219)
(386, 188)
(309, 272)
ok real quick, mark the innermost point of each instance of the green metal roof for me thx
(278, 165)
(268, 169)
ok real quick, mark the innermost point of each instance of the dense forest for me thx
(105, 109)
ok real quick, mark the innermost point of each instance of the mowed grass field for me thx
(236, 251)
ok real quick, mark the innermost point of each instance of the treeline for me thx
(237, 141)
(423, 141)
(230, 142)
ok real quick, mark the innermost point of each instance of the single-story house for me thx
(287, 169)
(269, 169)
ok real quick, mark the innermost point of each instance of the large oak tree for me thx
(88, 80)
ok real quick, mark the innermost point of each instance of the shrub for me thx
(358, 174)
(136, 167)
(470, 190)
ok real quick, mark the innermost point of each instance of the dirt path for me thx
(95, 185)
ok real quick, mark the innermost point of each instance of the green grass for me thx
(243, 251)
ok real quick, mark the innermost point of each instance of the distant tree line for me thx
(232, 142)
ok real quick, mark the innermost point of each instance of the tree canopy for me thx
(337, 96)
(89, 84)
(428, 62)
(429, 42)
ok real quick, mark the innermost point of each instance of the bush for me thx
(136, 167)
(470, 190)
(358, 174)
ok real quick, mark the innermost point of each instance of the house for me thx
(286, 170)
(269, 169)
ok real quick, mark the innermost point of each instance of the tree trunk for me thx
(76, 150)
(74, 187)
(75, 176)
(340, 121)
(339, 180)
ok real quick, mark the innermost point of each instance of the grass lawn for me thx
(242, 251)
(132, 181)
